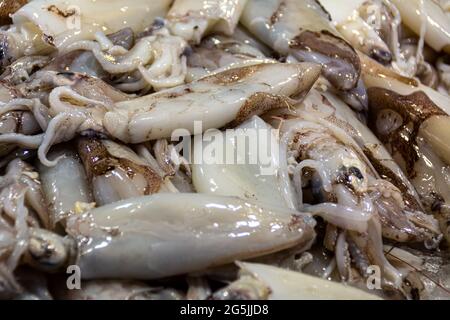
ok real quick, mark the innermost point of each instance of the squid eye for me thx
(388, 121)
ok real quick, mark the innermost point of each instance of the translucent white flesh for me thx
(290, 285)
(247, 180)
(170, 234)
(302, 29)
(68, 21)
(360, 132)
(340, 12)
(216, 101)
(436, 131)
(301, 15)
(437, 22)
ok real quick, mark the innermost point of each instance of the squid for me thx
(21, 187)
(158, 58)
(21, 206)
(340, 165)
(342, 180)
(192, 19)
(263, 282)
(375, 28)
(426, 16)
(302, 29)
(412, 120)
(155, 236)
(222, 99)
(259, 181)
(116, 172)
(21, 70)
(65, 186)
(118, 290)
(364, 25)
(7, 8)
(217, 53)
(17, 122)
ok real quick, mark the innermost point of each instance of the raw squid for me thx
(192, 19)
(260, 180)
(302, 29)
(350, 20)
(18, 122)
(259, 281)
(159, 58)
(375, 28)
(43, 25)
(64, 185)
(345, 174)
(174, 168)
(217, 53)
(331, 109)
(428, 15)
(21, 187)
(225, 98)
(155, 236)
(115, 171)
(412, 121)
(8, 7)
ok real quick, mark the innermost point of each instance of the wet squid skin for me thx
(401, 111)
(192, 19)
(116, 172)
(232, 97)
(218, 52)
(37, 93)
(227, 98)
(401, 38)
(64, 185)
(8, 7)
(303, 30)
(41, 84)
(260, 281)
(148, 237)
(52, 21)
(349, 179)
(20, 122)
(437, 34)
(161, 230)
(413, 128)
(21, 190)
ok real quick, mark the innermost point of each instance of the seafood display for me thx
(224, 149)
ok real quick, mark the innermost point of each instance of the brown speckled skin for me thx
(414, 110)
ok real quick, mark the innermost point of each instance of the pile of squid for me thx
(93, 185)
